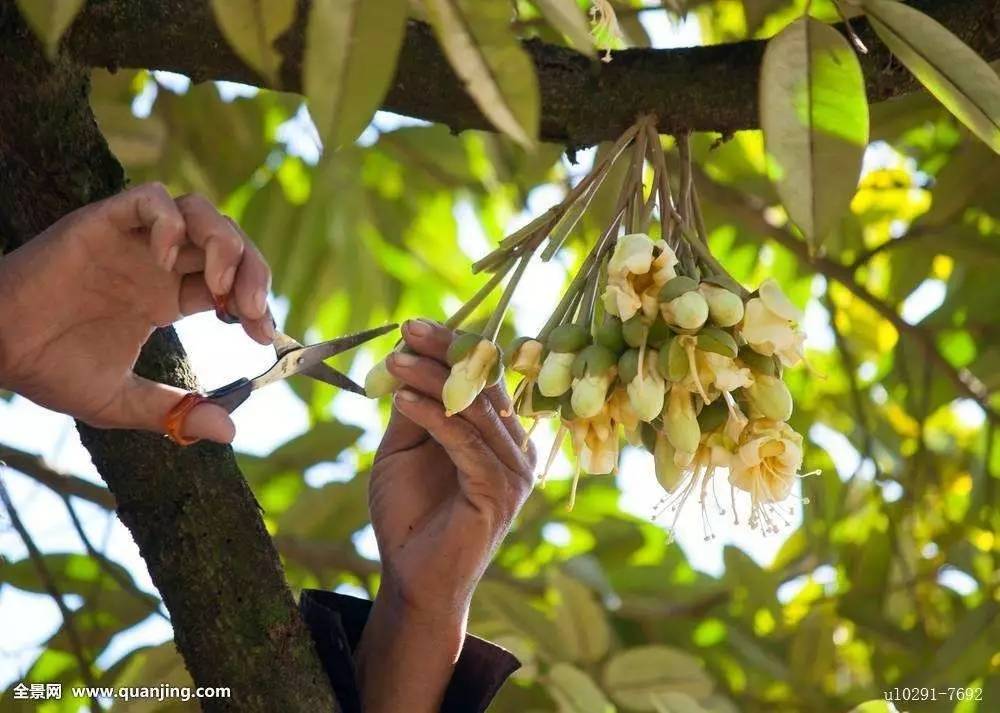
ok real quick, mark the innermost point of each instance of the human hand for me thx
(82, 298)
(443, 494)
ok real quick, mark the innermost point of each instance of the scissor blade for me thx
(302, 360)
(328, 375)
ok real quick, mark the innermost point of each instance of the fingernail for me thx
(406, 395)
(260, 301)
(404, 359)
(170, 259)
(417, 327)
(226, 283)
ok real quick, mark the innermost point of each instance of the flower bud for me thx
(460, 347)
(568, 338)
(676, 287)
(628, 366)
(758, 363)
(525, 356)
(668, 473)
(535, 404)
(689, 311)
(594, 369)
(379, 382)
(724, 307)
(609, 335)
(556, 374)
(647, 390)
(635, 331)
(719, 341)
(470, 375)
(770, 396)
(673, 362)
(681, 424)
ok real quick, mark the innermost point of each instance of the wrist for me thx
(433, 611)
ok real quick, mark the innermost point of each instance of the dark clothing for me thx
(336, 622)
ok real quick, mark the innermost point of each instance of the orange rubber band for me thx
(178, 414)
(222, 307)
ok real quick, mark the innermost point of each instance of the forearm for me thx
(406, 658)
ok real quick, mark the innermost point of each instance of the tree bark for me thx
(190, 511)
(710, 88)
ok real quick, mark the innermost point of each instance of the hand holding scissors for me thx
(292, 358)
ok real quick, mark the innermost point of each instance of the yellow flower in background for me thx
(637, 270)
(770, 325)
(469, 376)
(765, 465)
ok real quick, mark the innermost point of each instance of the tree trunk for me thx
(190, 511)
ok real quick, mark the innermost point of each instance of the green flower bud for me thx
(556, 374)
(713, 339)
(689, 311)
(609, 335)
(758, 363)
(713, 416)
(460, 347)
(635, 331)
(770, 396)
(566, 411)
(379, 382)
(535, 403)
(724, 307)
(568, 338)
(595, 360)
(659, 332)
(649, 435)
(470, 375)
(672, 361)
(668, 473)
(676, 287)
(628, 366)
(680, 422)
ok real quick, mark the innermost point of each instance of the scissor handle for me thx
(228, 397)
(222, 309)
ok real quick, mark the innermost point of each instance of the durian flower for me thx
(526, 358)
(689, 311)
(637, 270)
(590, 393)
(765, 465)
(770, 397)
(680, 423)
(595, 442)
(379, 382)
(647, 390)
(724, 307)
(556, 375)
(620, 410)
(770, 325)
(469, 376)
(697, 477)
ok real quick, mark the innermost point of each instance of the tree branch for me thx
(36, 468)
(711, 88)
(190, 511)
(742, 208)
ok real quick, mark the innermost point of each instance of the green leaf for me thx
(950, 69)
(814, 116)
(675, 702)
(575, 692)
(508, 608)
(251, 27)
(350, 57)
(487, 57)
(49, 20)
(635, 676)
(580, 619)
(567, 17)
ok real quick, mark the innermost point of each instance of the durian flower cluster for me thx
(653, 343)
(682, 367)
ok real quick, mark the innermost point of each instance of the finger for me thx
(194, 296)
(223, 245)
(150, 207)
(260, 330)
(144, 404)
(401, 435)
(190, 259)
(428, 376)
(465, 446)
(253, 279)
(428, 338)
(498, 397)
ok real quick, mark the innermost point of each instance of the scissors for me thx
(292, 358)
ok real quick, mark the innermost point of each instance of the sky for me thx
(219, 353)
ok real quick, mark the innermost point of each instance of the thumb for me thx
(145, 405)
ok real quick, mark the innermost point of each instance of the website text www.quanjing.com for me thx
(162, 692)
